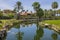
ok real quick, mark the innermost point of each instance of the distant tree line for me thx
(39, 12)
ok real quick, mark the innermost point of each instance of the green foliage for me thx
(40, 13)
(1, 14)
(1, 25)
(36, 5)
(17, 6)
(11, 15)
(38, 10)
(54, 5)
(54, 36)
(39, 34)
(0, 21)
(55, 22)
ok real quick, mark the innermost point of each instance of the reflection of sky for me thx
(29, 32)
(27, 4)
(47, 34)
(11, 35)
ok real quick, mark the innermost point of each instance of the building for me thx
(25, 13)
(57, 14)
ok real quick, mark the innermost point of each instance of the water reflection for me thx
(31, 31)
(54, 36)
(39, 32)
(19, 36)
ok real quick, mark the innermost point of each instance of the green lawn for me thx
(55, 22)
(8, 22)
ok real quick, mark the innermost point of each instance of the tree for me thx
(1, 14)
(36, 6)
(39, 11)
(17, 8)
(54, 6)
(45, 13)
(50, 14)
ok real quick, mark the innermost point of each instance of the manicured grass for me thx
(55, 22)
(9, 22)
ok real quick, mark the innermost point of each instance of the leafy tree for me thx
(1, 14)
(54, 6)
(36, 6)
(39, 11)
(11, 15)
(45, 13)
(17, 8)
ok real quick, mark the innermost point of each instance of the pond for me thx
(31, 32)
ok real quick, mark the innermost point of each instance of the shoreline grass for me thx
(9, 22)
(53, 22)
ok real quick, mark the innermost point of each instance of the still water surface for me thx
(31, 32)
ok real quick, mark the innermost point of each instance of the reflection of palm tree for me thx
(54, 36)
(19, 34)
(39, 33)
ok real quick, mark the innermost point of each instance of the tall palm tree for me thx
(39, 11)
(54, 6)
(17, 8)
(36, 6)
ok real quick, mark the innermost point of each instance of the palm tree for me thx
(39, 11)
(1, 14)
(36, 6)
(17, 8)
(54, 6)
(45, 12)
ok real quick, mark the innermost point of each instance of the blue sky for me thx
(27, 4)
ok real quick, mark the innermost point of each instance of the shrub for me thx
(0, 21)
(1, 25)
(11, 15)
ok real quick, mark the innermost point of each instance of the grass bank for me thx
(8, 22)
(52, 22)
